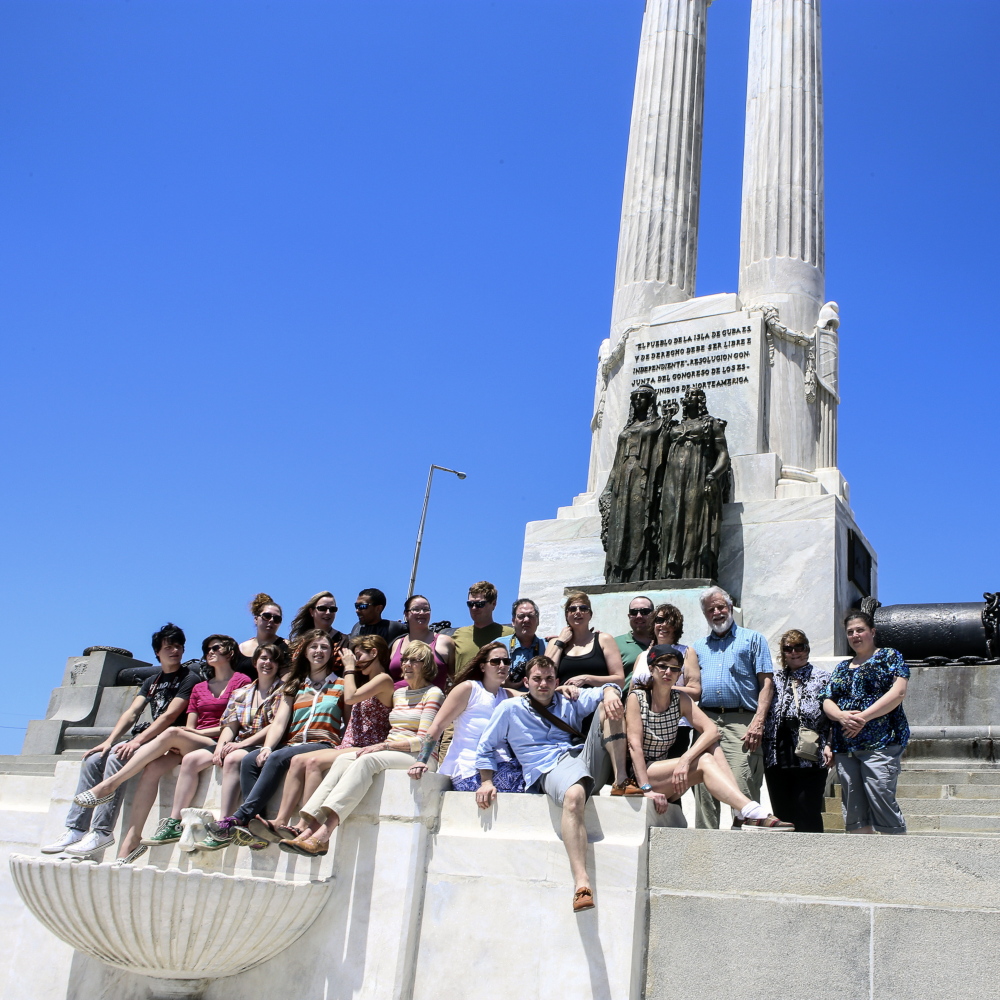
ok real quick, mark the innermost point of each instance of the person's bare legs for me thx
(291, 792)
(231, 791)
(192, 765)
(574, 834)
(322, 831)
(143, 799)
(181, 740)
(316, 766)
(616, 745)
(711, 768)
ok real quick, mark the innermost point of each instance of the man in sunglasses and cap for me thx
(469, 639)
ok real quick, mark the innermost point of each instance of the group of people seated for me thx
(504, 710)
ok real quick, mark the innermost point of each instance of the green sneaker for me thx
(210, 843)
(168, 832)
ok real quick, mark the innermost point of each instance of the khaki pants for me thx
(350, 778)
(748, 768)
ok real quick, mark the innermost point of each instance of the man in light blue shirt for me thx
(737, 685)
(553, 755)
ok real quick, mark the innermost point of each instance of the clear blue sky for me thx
(263, 262)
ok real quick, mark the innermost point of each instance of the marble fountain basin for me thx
(186, 927)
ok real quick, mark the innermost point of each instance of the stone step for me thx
(31, 764)
(949, 763)
(949, 807)
(907, 790)
(941, 775)
(948, 824)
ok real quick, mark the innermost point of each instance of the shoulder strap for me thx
(554, 719)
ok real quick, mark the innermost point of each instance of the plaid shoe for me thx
(770, 823)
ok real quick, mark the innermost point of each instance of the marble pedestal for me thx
(784, 560)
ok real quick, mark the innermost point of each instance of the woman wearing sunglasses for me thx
(172, 747)
(417, 614)
(470, 704)
(317, 613)
(652, 713)
(266, 617)
(584, 656)
(668, 626)
(796, 783)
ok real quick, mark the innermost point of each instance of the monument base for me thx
(788, 562)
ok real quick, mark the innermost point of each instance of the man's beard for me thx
(723, 627)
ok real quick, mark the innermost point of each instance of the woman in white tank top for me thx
(470, 704)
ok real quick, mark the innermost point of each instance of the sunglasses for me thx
(497, 660)
(659, 621)
(668, 667)
(361, 607)
(639, 612)
(476, 604)
(268, 617)
(799, 647)
(578, 607)
(331, 609)
(218, 648)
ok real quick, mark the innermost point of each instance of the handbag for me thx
(807, 747)
(576, 737)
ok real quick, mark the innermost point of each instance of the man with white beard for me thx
(737, 686)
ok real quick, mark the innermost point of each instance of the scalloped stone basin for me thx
(167, 924)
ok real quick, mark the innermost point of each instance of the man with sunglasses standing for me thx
(469, 639)
(369, 607)
(631, 644)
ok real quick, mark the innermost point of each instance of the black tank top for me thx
(590, 663)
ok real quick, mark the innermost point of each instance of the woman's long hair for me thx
(300, 662)
(473, 670)
(375, 642)
(303, 620)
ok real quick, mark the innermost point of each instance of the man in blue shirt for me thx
(737, 685)
(543, 730)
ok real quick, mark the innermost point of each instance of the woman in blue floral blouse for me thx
(796, 781)
(864, 700)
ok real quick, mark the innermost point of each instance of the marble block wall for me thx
(784, 561)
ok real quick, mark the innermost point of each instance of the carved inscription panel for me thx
(720, 354)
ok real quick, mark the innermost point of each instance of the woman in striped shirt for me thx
(310, 717)
(350, 777)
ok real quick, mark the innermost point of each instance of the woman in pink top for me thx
(185, 745)
(417, 612)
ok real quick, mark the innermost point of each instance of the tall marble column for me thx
(782, 239)
(658, 240)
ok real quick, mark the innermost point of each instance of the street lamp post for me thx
(423, 517)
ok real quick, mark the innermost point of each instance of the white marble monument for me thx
(791, 553)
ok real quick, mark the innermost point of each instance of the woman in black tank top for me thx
(582, 655)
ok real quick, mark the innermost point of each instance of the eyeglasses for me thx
(218, 648)
(361, 607)
(327, 609)
(799, 647)
(412, 660)
(476, 604)
(497, 660)
(268, 617)
(578, 607)
(639, 612)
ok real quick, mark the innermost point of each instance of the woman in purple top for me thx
(417, 613)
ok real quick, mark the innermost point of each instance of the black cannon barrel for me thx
(922, 630)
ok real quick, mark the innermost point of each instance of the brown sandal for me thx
(583, 899)
(310, 847)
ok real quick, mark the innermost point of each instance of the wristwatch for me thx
(559, 644)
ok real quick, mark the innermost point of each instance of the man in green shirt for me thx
(470, 639)
(631, 644)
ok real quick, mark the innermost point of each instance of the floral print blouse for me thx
(781, 727)
(857, 688)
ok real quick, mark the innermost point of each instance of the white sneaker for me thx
(68, 838)
(90, 844)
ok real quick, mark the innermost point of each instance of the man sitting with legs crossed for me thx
(543, 730)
